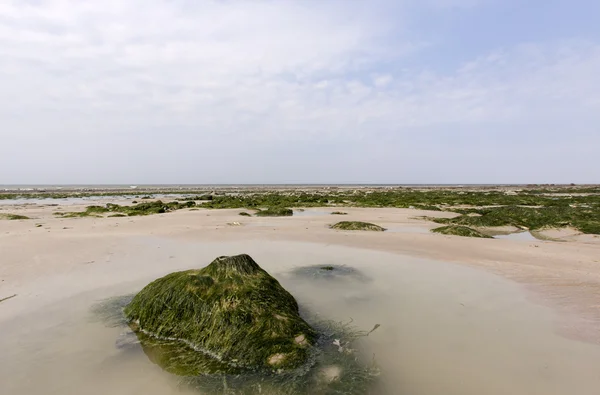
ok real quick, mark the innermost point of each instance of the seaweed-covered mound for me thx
(456, 230)
(275, 212)
(13, 217)
(230, 316)
(144, 208)
(357, 225)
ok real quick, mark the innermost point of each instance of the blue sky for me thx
(430, 91)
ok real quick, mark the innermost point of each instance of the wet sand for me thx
(458, 315)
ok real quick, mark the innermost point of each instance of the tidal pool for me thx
(519, 236)
(445, 329)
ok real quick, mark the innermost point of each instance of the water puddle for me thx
(520, 236)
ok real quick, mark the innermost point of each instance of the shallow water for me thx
(445, 329)
(520, 236)
(310, 213)
(65, 201)
(70, 201)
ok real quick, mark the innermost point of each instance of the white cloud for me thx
(164, 60)
(80, 76)
(382, 80)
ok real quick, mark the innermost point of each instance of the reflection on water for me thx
(445, 329)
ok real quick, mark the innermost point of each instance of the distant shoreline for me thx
(192, 188)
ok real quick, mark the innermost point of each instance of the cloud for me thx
(119, 87)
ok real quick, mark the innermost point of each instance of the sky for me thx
(305, 91)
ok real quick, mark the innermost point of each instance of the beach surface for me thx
(458, 315)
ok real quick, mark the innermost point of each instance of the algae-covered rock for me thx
(228, 317)
(275, 212)
(357, 225)
(457, 230)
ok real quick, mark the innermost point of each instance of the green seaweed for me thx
(275, 212)
(357, 225)
(230, 316)
(245, 214)
(13, 217)
(145, 208)
(550, 216)
(457, 230)
(339, 351)
(339, 213)
(78, 214)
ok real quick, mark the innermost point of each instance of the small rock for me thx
(331, 373)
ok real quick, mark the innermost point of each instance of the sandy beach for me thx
(299, 197)
(458, 315)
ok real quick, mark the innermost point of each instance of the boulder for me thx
(228, 317)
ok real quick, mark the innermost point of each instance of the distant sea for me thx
(56, 187)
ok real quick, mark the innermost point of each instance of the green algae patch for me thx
(456, 230)
(140, 209)
(556, 214)
(275, 212)
(13, 217)
(339, 367)
(339, 213)
(357, 225)
(228, 317)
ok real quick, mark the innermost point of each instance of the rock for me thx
(329, 272)
(331, 373)
(275, 212)
(357, 225)
(458, 230)
(228, 317)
